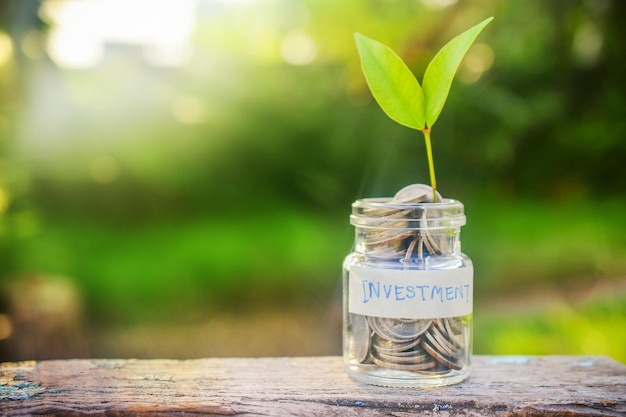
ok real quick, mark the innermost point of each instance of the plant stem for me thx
(431, 164)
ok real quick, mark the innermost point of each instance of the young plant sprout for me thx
(401, 96)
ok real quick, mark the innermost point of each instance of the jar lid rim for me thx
(385, 213)
(387, 202)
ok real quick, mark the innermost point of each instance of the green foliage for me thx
(392, 83)
(588, 327)
(532, 134)
(396, 89)
(399, 93)
(441, 70)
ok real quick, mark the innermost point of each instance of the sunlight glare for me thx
(82, 29)
(188, 110)
(587, 44)
(71, 51)
(478, 60)
(298, 49)
(439, 4)
(6, 49)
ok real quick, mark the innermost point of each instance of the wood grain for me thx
(307, 386)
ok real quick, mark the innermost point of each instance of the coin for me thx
(373, 212)
(361, 337)
(384, 237)
(445, 327)
(400, 354)
(385, 251)
(386, 346)
(416, 193)
(442, 359)
(456, 325)
(439, 340)
(429, 364)
(431, 245)
(398, 330)
(414, 359)
(393, 221)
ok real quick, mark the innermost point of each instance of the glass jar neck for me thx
(407, 231)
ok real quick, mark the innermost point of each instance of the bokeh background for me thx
(176, 176)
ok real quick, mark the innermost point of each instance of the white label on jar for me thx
(411, 294)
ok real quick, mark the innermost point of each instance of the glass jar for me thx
(407, 295)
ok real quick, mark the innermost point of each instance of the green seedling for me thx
(401, 96)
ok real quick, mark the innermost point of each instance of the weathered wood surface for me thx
(307, 386)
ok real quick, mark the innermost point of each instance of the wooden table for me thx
(307, 386)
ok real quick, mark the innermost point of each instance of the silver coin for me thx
(385, 251)
(431, 244)
(458, 340)
(384, 237)
(400, 354)
(441, 340)
(381, 212)
(386, 346)
(429, 364)
(448, 362)
(445, 327)
(456, 325)
(361, 337)
(436, 243)
(442, 346)
(416, 193)
(375, 324)
(396, 218)
(414, 359)
(397, 330)
(385, 217)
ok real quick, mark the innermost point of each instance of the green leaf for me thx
(441, 70)
(393, 85)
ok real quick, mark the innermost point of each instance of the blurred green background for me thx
(176, 176)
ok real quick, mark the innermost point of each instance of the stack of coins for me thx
(390, 240)
(412, 345)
